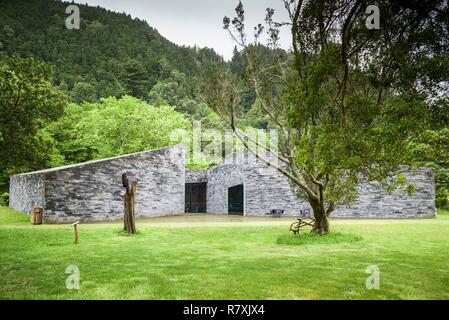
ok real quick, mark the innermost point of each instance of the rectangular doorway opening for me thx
(196, 195)
(235, 200)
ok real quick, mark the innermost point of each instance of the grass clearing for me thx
(223, 260)
(306, 238)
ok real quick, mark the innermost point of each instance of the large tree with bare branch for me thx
(346, 98)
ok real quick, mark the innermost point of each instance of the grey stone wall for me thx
(196, 176)
(373, 201)
(265, 188)
(219, 179)
(93, 190)
(26, 192)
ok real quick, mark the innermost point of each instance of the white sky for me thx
(200, 22)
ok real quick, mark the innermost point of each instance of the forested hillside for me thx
(111, 87)
(111, 54)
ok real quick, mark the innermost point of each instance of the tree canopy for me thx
(111, 52)
(28, 102)
(113, 127)
(348, 100)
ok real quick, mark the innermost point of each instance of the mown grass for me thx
(223, 261)
(9, 217)
(306, 238)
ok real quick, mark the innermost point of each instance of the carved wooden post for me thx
(132, 211)
(75, 227)
(129, 205)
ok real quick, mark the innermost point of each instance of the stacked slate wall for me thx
(374, 202)
(26, 191)
(196, 176)
(265, 188)
(219, 179)
(94, 191)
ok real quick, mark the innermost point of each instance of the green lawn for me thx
(223, 261)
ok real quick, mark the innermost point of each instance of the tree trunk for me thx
(321, 219)
(133, 206)
(129, 210)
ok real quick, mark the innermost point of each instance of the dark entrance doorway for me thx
(196, 197)
(235, 200)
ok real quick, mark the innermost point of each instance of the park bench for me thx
(301, 223)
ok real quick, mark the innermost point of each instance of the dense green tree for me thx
(171, 90)
(83, 91)
(114, 127)
(134, 78)
(347, 100)
(180, 91)
(432, 150)
(28, 101)
(6, 35)
(96, 52)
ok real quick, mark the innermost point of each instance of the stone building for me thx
(241, 184)
(264, 188)
(93, 190)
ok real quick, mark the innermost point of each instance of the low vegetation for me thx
(222, 261)
(4, 198)
(305, 238)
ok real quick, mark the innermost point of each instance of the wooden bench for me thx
(301, 223)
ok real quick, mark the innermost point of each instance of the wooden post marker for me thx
(75, 226)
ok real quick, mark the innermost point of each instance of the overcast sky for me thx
(200, 22)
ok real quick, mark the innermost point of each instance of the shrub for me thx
(5, 197)
(314, 238)
(442, 201)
